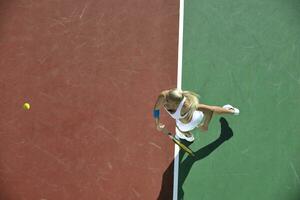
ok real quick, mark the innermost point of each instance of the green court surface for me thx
(245, 53)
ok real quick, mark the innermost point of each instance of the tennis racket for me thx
(182, 146)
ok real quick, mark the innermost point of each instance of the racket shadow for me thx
(186, 165)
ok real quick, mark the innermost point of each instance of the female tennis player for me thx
(188, 112)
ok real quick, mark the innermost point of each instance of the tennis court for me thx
(91, 71)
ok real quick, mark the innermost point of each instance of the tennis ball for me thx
(26, 106)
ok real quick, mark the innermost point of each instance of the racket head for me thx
(183, 147)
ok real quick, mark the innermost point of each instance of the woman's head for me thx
(175, 96)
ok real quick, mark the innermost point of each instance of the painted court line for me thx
(179, 79)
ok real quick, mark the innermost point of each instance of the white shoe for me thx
(183, 137)
(230, 107)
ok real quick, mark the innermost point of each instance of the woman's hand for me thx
(160, 126)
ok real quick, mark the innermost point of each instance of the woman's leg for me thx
(207, 117)
(214, 110)
(219, 110)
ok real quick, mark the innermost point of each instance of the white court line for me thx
(179, 79)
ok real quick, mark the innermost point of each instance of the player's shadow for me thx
(186, 165)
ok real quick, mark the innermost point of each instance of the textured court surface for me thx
(246, 53)
(91, 71)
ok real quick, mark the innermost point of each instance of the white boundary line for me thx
(179, 79)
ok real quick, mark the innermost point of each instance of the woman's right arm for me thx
(158, 105)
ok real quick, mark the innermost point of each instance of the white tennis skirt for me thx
(195, 122)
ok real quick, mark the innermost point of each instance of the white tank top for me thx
(176, 114)
(198, 117)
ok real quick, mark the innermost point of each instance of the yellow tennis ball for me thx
(26, 106)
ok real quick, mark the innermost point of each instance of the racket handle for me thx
(166, 132)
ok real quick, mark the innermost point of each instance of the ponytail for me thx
(193, 99)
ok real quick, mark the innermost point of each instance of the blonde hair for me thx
(177, 95)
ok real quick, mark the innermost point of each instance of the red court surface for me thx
(91, 71)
